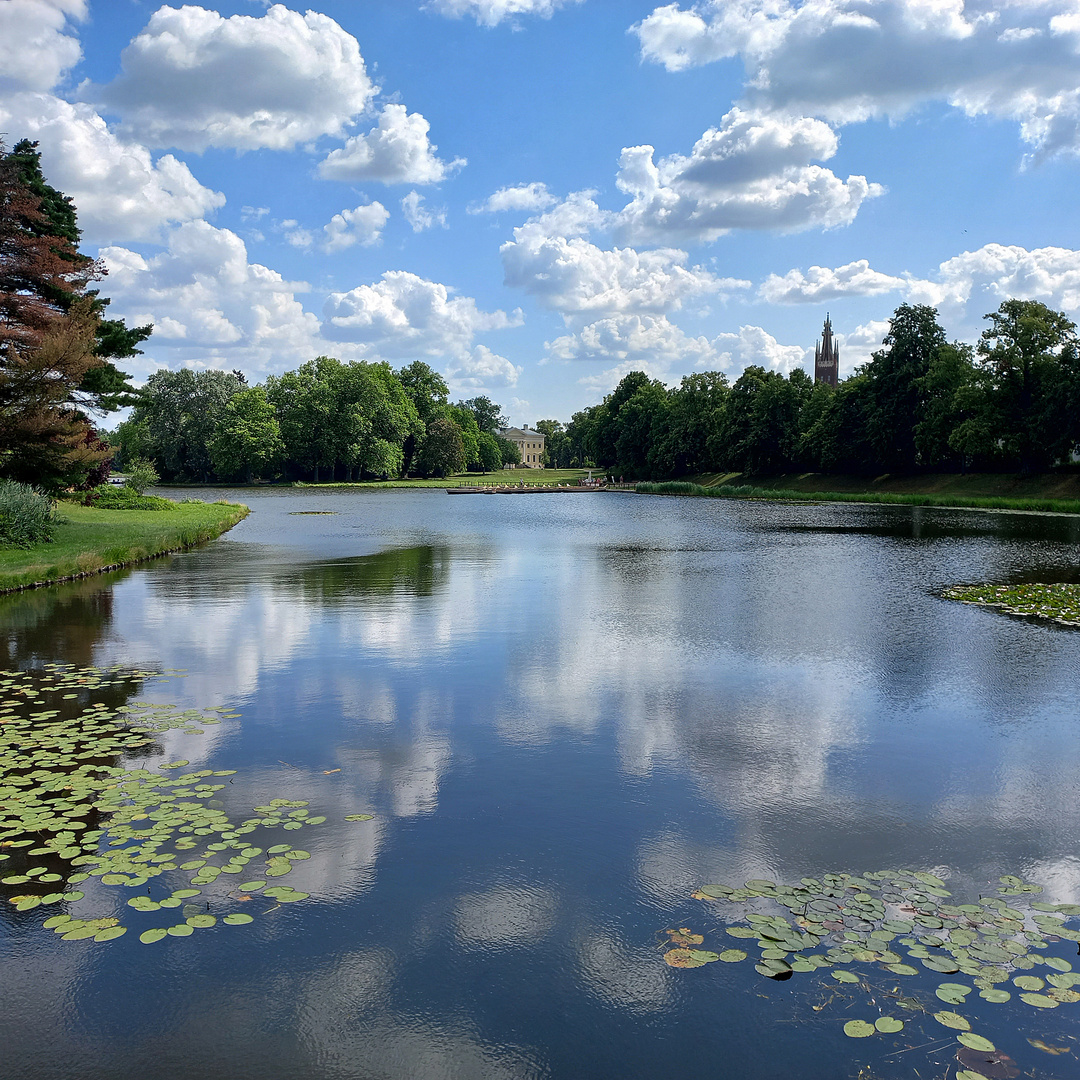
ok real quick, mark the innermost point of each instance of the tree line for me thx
(922, 403)
(326, 420)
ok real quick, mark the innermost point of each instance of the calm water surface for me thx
(565, 715)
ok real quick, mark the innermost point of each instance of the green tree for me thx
(944, 392)
(427, 391)
(760, 431)
(442, 451)
(695, 411)
(470, 434)
(1029, 359)
(375, 418)
(178, 414)
(247, 442)
(897, 385)
(104, 387)
(634, 424)
(510, 453)
(490, 452)
(306, 407)
(487, 414)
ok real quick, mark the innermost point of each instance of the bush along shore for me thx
(1058, 603)
(88, 540)
(961, 502)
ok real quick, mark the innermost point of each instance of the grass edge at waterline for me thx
(958, 502)
(91, 541)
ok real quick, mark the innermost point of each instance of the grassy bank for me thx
(1054, 485)
(89, 540)
(964, 502)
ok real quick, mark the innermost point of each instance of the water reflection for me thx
(564, 715)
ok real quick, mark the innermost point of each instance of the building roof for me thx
(512, 433)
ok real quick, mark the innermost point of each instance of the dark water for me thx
(566, 713)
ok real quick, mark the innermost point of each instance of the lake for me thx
(565, 715)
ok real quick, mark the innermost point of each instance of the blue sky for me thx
(537, 196)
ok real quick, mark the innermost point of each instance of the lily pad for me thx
(237, 918)
(976, 1042)
(1040, 1001)
(995, 995)
(888, 1025)
(953, 1020)
(732, 956)
(858, 1029)
(845, 976)
(148, 937)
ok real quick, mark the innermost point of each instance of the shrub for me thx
(26, 516)
(141, 475)
(111, 497)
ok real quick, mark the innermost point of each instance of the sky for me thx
(538, 196)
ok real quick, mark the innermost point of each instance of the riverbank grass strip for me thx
(89, 540)
(1058, 603)
(959, 502)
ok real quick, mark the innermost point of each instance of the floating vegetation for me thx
(1057, 603)
(312, 513)
(69, 813)
(903, 924)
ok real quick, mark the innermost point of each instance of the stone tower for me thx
(826, 357)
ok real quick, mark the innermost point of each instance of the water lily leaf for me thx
(704, 955)
(250, 886)
(291, 896)
(888, 1025)
(181, 930)
(742, 932)
(858, 1029)
(143, 903)
(148, 937)
(1029, 982)
(237, 918)
(707, 890)
(953, 993)
(201, 920)
(684, 937)
(845, 976)
(110, 932)
(940, 963)
(902, 969)
(953, 1020)
(732, 956)
(681, 958)
(1057, 963)
(976, 1042)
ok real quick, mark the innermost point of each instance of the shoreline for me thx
(90, 541)
(746, 492)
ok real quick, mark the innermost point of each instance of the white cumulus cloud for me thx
(397, 151)
(35, 48)
(820, 283)
(121, 192)
(209, 304)
(848, 60)
(193, 79)
(752, 172)
(527, 197)
(404, 315)
(493, 12)
(579, 279)
(421, 217)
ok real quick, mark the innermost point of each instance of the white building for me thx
(529, 442)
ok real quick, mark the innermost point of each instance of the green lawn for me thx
(90, 540)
